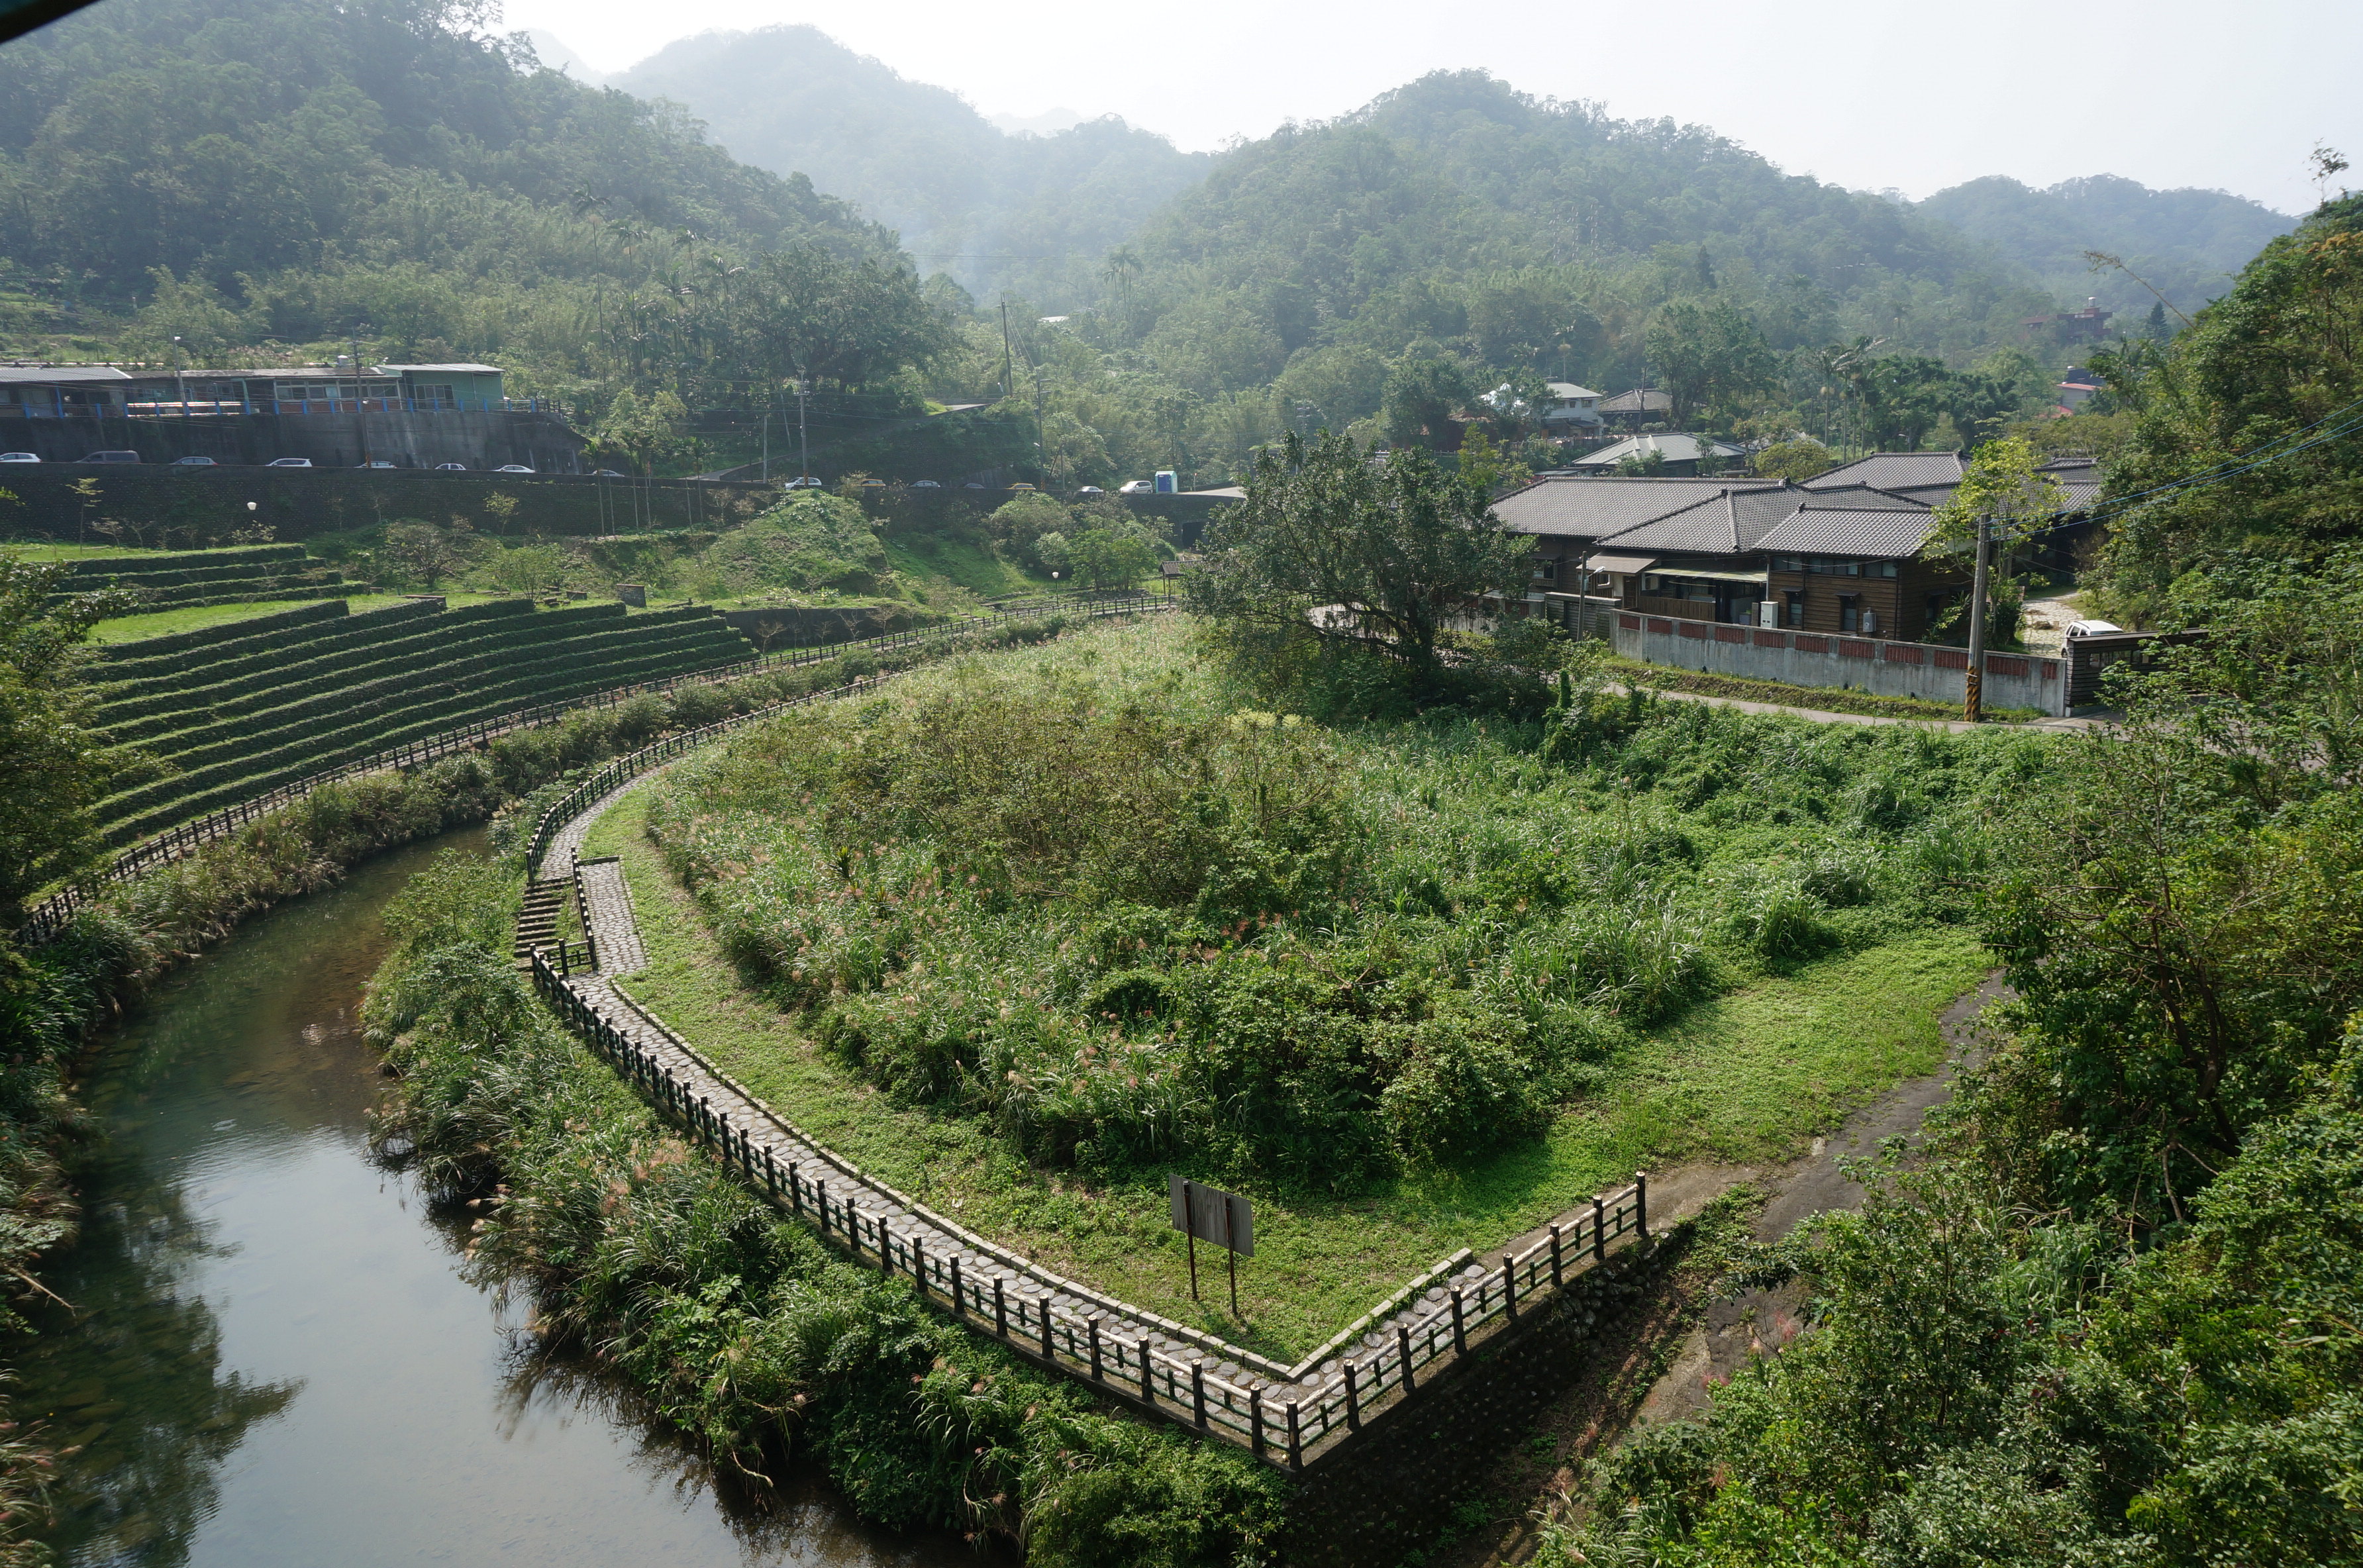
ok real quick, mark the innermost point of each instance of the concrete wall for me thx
(1875, 665)
(541, 441)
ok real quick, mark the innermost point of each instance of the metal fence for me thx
(50, 918)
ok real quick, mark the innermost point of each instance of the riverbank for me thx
(56, 999)
(738, 1325)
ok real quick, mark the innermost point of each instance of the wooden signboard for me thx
(1223, 1217)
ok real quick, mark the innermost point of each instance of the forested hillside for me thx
(2188, 243)
(1034, 213)
(254, 173)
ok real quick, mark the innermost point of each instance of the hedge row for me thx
(248, 591)
(277, 622)
(372, 628)
(160, 560)
(415, 648)
(259, 730)
(177, 577)
(262, 650)
(349, 729)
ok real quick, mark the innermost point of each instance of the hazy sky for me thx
(1870, 96)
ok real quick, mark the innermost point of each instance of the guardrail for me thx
(1316, 1409)
(49, 919)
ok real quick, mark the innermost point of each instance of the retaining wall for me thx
(1876, 665)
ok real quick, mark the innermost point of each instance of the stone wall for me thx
(1876, 665)
(480, 439)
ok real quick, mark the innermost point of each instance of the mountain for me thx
(2187, 243)
(247, 176)
(1458, 213)
(1037, 213)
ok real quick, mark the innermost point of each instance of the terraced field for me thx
(201, 578)
(225, 713)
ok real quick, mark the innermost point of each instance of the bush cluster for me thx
(738, 1324)
(1123, 932)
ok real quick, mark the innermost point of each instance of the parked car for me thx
(2091, 628)
(976, 484)
(873, 484)
(513, 468)
(451, 467)
(595, 473)
(18, 458)
(1021, 486)
(1136, 487)
(1091, 490)
(374, 463)
(111, 457)
(806, 482)
(193, 463)
(288, 463)
(925, 484)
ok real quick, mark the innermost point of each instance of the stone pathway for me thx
(607, 916)
(1289, 1414)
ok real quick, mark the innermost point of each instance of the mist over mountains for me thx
(1029, 211)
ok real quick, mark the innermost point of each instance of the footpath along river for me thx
(273, 1357)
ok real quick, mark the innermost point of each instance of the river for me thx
(273, 1357)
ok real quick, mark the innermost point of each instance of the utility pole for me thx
(360, 414)
(803, 442)
(1973, 700)
(1008, 383)
(767, 441)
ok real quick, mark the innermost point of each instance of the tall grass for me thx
(1083, 897)
(737, 1324)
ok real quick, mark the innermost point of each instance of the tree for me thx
(1801, 458)
(1710, 358)
(53, 764)
(1421, 397)
(1104, 557)
(425, 553)
(2238, 401)
(1332, 547)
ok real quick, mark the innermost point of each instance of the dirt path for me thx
(1606, 1405)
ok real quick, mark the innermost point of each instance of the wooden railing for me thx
(1320, 1405)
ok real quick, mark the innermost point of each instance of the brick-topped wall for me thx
(1876, 665)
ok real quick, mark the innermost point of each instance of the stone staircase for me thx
(538, 917)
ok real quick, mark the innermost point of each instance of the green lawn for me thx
(1751, 1077)
(164, 623)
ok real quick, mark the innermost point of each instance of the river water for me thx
(272, 1356)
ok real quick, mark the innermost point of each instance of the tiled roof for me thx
(1816, 530)
(1677, 447)
(1578, 507)
(1893, 470)
(1638, 400)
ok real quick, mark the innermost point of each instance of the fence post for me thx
(1148, 1373)
(820, 1197)
(1094, 1323)
(919, 1263)
(885, 1249)
(1556, 1280)
(1000, 1309)
(1459, 1333)
(1296, 1447)
(1403, 1348)
(1641, 1204)
(1255, 1419)
(1198, 1393)
(1599, 1231)
(959, 1303)
(1509, 1287)
(1353, 1402)
(1042, 1305)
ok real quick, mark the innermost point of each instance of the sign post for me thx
(1223, 1217)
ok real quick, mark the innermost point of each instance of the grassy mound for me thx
(1030, 932)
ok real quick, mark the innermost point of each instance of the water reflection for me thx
(272, 1357)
